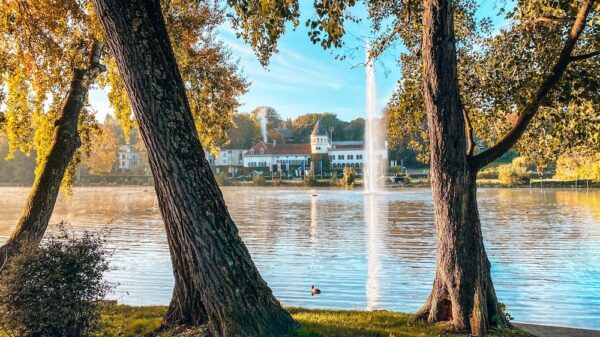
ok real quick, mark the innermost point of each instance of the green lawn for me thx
(125, 321)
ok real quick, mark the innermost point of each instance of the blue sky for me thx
(304, 78)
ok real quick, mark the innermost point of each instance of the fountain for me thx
(375, 206)
(374, 136)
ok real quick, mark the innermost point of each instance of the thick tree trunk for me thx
(35, 217)
(216, 281)
(463, 294)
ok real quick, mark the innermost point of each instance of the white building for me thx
(230, 160)
(341, 153)
(269, 154)
(129, 159)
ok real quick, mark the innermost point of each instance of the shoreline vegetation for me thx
(358, 184)
(128, 321)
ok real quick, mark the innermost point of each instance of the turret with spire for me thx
(319, 139)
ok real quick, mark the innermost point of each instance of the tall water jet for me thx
(374, 137)
(262, 119)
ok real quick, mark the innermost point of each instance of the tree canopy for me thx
(42, 42)
(499, 69)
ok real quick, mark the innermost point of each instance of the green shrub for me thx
(349, 177)
(54, 289)
(259, 180)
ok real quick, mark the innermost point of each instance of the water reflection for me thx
(375, 214)
(362, 251)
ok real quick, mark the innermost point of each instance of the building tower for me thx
(319, 140)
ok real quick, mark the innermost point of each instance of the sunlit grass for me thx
(126, 321)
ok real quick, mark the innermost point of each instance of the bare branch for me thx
(530, 110)
(584, 56)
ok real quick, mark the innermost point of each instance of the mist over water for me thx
(364, 251)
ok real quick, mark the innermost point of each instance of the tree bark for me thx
(216, 281)
(463, 293)
(37, 211)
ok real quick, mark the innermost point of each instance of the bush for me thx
(488, 173)
(349, 177)
(310, 180)
(55, 289)
(512, 175)
(259, 180)
(334, 181)
(223, 179)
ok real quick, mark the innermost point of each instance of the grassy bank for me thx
(125, 321)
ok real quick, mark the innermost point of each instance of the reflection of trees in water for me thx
(526, 218)
(582, 203)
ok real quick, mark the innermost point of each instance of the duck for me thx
(314, 291)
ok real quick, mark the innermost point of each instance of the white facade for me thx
(128, 158)
(232, 157)
(319, 140)
(341, 153)
(351, 154)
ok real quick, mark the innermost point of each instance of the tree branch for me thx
(554, 19)
(530, 110)
(469, 131)
(584, 56)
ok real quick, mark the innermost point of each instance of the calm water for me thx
(362, 251)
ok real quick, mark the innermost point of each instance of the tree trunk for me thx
(216, 281)
(35, 216)
(463, 294)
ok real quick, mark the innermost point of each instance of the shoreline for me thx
(325, 185)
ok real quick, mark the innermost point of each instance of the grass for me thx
(128, 321)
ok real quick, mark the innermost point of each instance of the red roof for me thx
(269, 148)
(348, 147)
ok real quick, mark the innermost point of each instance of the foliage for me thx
(572, 168)
(499, 71)
(303, 125)
(349, 177)
(514, 173)
(500, 77)
(245, 132)
(223, 179)
(488, 173)
(503, 311)
(41, 43)
(19, 170)
(310, 180)
(334, 180)
(259, 180)
(212, 79)
(103, 151)
(54, 289)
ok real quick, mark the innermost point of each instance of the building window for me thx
(350, 157)
(340, 157)
(359, 156)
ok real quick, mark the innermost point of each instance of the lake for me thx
(363, 251)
